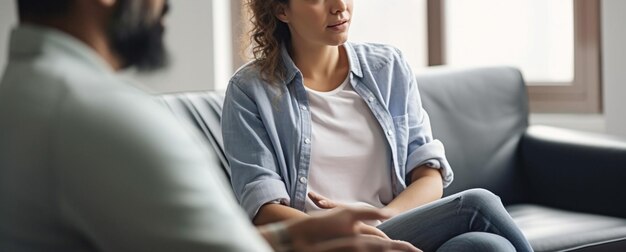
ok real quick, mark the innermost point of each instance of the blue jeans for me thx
(473, 220)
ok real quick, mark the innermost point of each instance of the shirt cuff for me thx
(432, 163)
(434, 153)
(282, 201)
(259, 193)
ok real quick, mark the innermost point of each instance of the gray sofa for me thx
(563, 188)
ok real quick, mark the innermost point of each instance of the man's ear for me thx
(280, 13)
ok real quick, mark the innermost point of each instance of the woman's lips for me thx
(341, 26)
(338, 24)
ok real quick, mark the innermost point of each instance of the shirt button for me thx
(303, 108)
(371, 99)
(390, 132)
(303, 180)
(307, 141)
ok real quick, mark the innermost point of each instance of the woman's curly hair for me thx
(267, 36)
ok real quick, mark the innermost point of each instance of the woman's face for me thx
(318, 22)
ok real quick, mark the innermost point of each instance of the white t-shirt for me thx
(350, 160)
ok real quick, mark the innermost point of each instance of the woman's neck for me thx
(323, 67)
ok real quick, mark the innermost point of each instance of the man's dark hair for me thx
(35, 9)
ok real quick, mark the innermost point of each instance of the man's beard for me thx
(136, 39)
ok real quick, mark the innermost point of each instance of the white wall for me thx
(195, 28)
(367, 16)
(614, 65)
(199, 43)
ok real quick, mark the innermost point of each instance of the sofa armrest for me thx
(575, 170)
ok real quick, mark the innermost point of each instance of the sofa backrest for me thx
(479, 115)
(202, 110)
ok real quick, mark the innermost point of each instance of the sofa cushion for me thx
(550, 229)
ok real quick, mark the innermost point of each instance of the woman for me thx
(316, 122)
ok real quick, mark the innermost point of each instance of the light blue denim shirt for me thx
(267, 128)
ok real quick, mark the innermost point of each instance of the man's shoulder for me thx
(36, 87)
(111, 104)
(52, 75)
(63, 92)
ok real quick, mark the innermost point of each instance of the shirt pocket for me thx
(401, 128)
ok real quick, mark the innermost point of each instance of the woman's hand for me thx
(326, 203)
(323, 202)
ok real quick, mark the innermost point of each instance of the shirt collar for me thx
(292, 70)
(29, 40)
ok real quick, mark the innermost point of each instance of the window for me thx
(536, 36)
(554, 43)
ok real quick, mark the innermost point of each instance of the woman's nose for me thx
(338, 7)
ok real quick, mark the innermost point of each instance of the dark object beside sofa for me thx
(563, 187)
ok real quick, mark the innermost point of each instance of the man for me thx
(89, 163)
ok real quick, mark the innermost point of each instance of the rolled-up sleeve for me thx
(422, 148)
(254, 169)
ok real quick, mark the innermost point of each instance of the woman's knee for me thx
(478, 242)
(479, 197)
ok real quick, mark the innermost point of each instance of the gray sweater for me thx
(89, 163)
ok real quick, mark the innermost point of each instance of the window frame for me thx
(581, 95)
